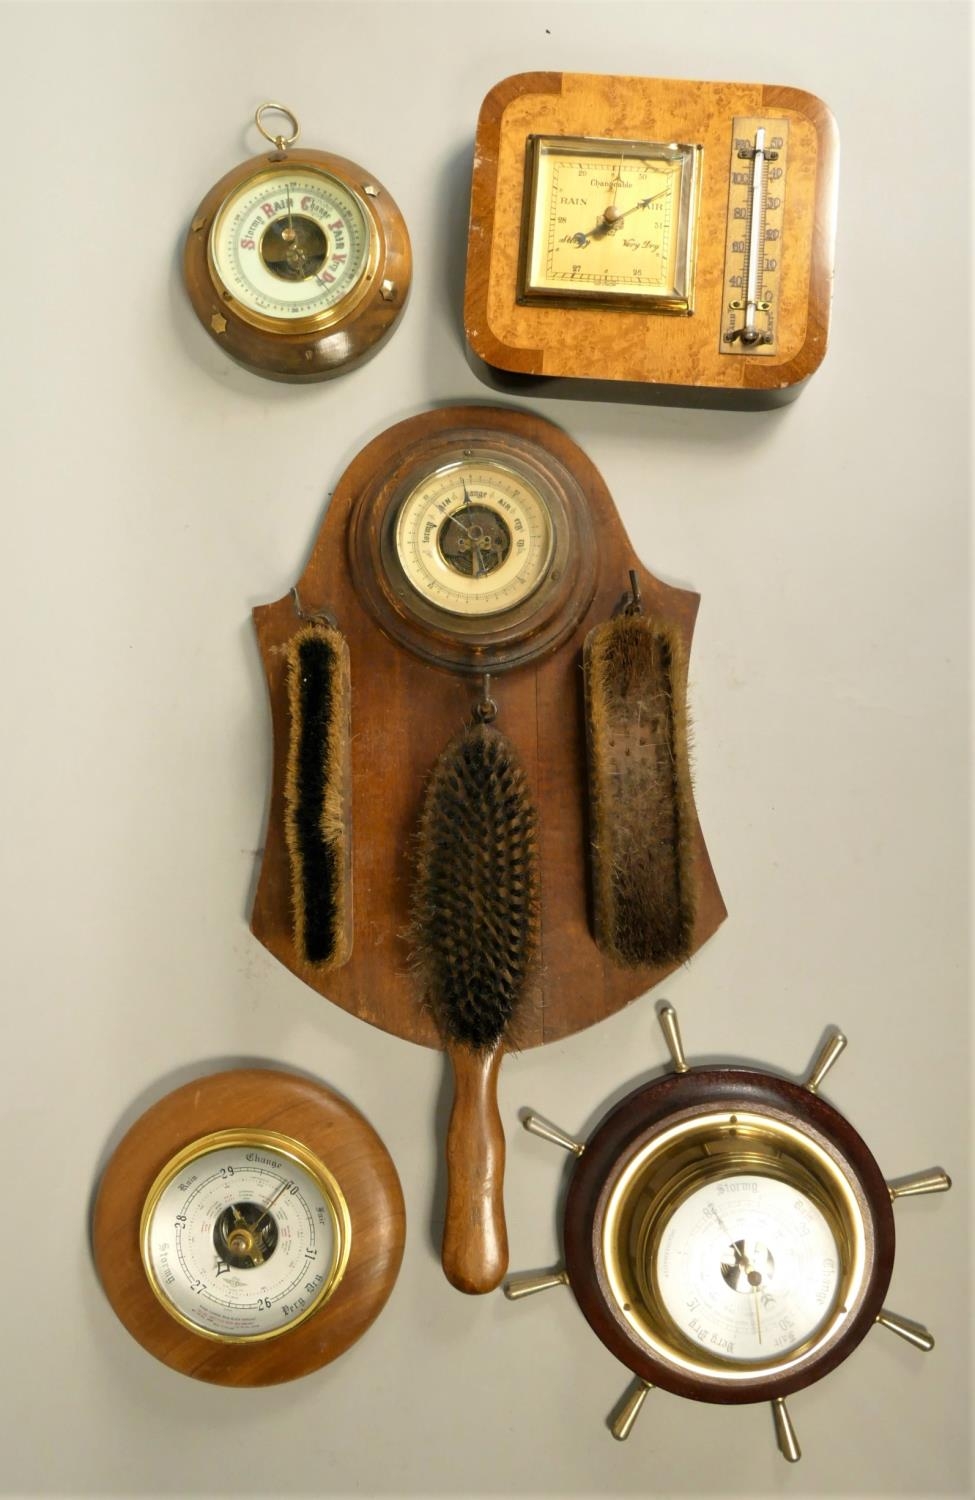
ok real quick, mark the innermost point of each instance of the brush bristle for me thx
(317, 795)
(475, 904)
(641, 807)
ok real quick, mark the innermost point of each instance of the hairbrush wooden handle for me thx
(475, 1240)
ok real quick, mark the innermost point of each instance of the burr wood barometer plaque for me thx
(651, 238)
(481, 832)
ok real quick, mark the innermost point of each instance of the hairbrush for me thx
(475, 930)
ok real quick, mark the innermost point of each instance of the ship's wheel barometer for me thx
(728, 1235)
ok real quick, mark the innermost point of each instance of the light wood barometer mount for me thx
(657, 239)
(249, 1227)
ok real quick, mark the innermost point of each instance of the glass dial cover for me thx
(611, 222)
(747, 1268)
(291, 244)
(243, 1236)
(474, 538)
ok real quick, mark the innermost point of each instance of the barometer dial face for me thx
(475, 549)
(610, 221)
(474, 539)
(244, 1235)
(292, 244)
(747, 1268)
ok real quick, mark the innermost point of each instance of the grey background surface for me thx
(154, 493)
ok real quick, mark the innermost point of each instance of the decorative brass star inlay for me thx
(388, 290)
(218, 323)
(198, 224)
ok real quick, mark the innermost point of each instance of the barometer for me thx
(728, 1235)
(249, 1227)
(298, 262)
(475, 549)
(610, 223)
(654, 239)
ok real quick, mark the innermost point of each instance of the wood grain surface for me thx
(339, 1136)
(404, 712)
(474, 1253)
(627, 346)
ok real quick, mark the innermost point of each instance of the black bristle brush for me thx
(640, 799)
(475, 930)
(317, 815)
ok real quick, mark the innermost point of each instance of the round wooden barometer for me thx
(249, 1227)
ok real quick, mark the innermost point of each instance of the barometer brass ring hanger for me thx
(280, 141)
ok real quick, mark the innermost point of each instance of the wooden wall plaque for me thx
(405, 711)
(562, 342)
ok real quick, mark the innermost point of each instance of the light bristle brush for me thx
(640, 800)
(317, 794)
(475, 930)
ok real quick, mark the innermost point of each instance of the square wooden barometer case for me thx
(651, 239)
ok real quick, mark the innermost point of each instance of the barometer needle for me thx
(460, 524)
(755, 1285)
(617, 182)
(611, 218)
(282, 1189)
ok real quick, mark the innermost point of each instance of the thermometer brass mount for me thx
(298, 262)
(728, 1235)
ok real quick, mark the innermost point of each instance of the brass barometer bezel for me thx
(712, 1147)
(277, 1144)
(343, 310)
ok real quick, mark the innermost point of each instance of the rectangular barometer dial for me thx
(611, 222)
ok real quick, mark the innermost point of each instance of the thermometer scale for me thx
(753, 239)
